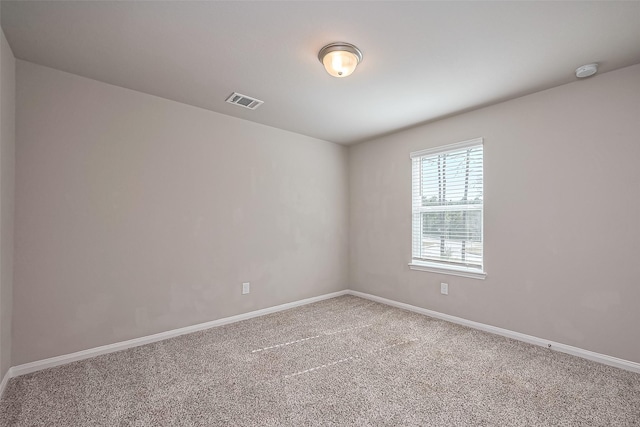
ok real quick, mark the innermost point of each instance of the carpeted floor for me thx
(344, 361)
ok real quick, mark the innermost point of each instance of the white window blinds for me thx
(447, 201)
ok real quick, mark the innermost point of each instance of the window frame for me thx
(443, 267)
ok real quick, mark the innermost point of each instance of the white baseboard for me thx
(5, 380)
(38, 365)
(563, 348)
(123, 345)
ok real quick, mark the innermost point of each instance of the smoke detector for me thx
(244, 101)
(586, 70)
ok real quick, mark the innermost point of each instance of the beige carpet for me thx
(344, 361)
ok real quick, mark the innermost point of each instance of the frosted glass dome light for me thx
(340, 59)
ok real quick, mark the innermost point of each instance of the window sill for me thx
(437, 268)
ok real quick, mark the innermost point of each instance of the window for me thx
(447, 209)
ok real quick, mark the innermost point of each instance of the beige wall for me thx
(7, 158)
(562, 216)
(137, 215)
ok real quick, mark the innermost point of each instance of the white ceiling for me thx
(422, 60)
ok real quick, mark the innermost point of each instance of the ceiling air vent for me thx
(244, 101)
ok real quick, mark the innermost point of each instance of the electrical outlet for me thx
(444, 288)
(246, 288)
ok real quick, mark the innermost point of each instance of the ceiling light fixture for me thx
(340, 59)
(586, 70)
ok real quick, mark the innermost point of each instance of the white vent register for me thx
(244, 101)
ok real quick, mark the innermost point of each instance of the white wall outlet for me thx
(246, 288)
(444, 288)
